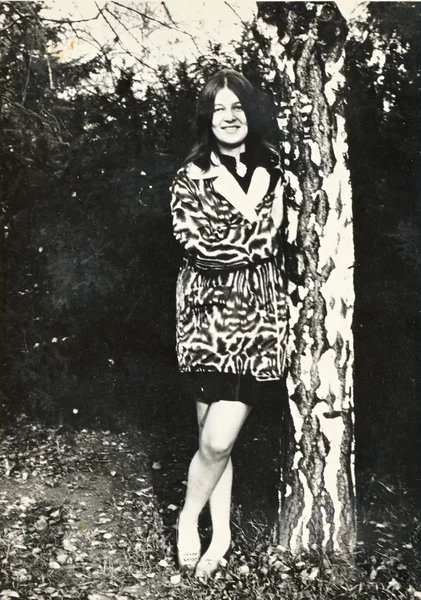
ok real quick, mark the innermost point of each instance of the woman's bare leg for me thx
(220, 500)
(222, 424)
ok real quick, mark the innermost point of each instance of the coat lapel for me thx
(227, 186)
(259, 185)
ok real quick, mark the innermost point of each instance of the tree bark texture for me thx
(304, 43)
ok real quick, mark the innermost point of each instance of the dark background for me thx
(88, 258)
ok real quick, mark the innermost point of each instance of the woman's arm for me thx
(224, 247)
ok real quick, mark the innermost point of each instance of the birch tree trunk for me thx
(304, 44)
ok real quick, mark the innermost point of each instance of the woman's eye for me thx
(238, 108)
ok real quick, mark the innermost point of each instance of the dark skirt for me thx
(209, 387)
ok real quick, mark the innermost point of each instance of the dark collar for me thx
(230, 161)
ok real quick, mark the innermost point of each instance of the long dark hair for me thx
(263, 132)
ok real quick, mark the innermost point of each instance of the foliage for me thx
(89, 259)
(97, 165)
(384, 121)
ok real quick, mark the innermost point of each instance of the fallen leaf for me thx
(244, 569)
(156, 466)
(20, 574)
(41, 524)
(394, 585)
(25, 501)
(163, 563)
(108, 536)
(62, 558)
(132, 589)
(9, 594)
(53, 564)
(67, 545)
(172, 507)
(175, 579)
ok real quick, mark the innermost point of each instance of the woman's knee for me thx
(215, 448)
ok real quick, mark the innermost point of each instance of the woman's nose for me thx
(229, 115)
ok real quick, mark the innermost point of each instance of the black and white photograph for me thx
(210, 300)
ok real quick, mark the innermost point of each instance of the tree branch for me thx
(118, 40)
(244, 23)
(88, 40)
(50, 72)
(146, 16)
(120, 22)
(8, 26)
(28, 75)
(70, 21)
(28, 111)
(168, 13)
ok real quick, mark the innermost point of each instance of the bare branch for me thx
(8, 27)
(144, 15)
(168, 13)
(120, 22)
(70, 21)
(162, 23)
(101, 12)
(28, 75)
(236, 13)
(30, 112)
(50, 72)
(118, 40)
(88, 40)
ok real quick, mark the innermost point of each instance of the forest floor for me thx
(90, 514)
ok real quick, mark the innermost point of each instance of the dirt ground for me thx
(90, 514)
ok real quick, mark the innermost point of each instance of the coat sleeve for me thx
(221, 247)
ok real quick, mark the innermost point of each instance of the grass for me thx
(90, 514)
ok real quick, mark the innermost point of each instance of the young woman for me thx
(227, 207)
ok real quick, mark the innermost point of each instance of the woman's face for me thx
(229, 121)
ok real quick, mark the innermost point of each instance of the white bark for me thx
(317, 492)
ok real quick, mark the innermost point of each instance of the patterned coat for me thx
(231, 304)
